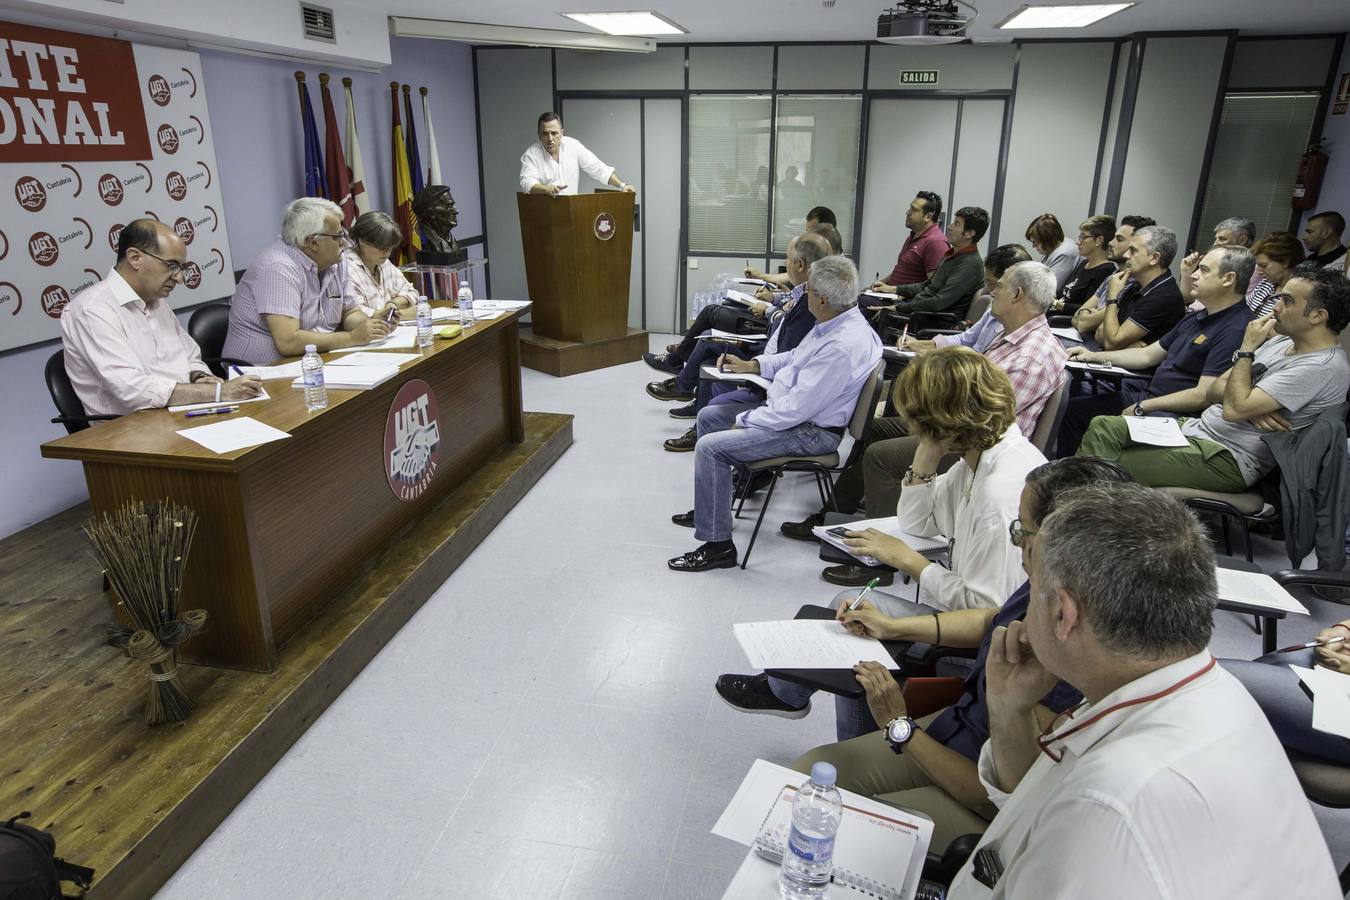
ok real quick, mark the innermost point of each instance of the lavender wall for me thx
(254, 114)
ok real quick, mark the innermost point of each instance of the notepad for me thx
(718, 334)
(897, 353)
(374, 359)
(757, 380)
(1155, 431)
(1256, 589)
(438, 314)
(1069, 334)
(806, 644)
(881, 295)
(267, 373)
(755, 282)
(742, 298)
(1100, 367)
(233, 434)
(507, 305)
(1331, 699)
(398, 339)
(352, 378)
(887, 525)
(216, 404)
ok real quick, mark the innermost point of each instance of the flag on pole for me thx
(433, 157)
(414, 158)
(403, 214)
(315, 183)
(356, 170)
(339, 188)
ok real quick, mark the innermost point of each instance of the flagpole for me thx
(335, 163)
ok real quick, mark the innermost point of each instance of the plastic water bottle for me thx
(816, 813)
(425, 336)
(465, 303)
(316, 394)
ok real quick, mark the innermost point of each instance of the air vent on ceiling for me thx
(318, 23)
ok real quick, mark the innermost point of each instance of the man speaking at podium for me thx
(553, 165)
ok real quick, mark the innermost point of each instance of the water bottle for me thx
(816, 813)
(316, 395)
(465, 303)
(425, 336)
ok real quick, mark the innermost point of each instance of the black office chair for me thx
(208, 326)
(72, 414)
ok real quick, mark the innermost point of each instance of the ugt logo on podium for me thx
(412, 440)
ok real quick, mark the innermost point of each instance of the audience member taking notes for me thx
(125, 349)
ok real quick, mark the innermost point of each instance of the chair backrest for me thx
(63, 393)
(979, 306)
(1047, 426)
(867, 402)
(208, 325)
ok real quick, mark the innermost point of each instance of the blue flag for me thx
(316, 185)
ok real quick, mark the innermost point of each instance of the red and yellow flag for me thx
(403, 213)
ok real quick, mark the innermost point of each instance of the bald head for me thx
(150, 258)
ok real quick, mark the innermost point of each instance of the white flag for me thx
(433, 157)
(356, 170)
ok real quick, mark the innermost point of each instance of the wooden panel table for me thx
(287, 525)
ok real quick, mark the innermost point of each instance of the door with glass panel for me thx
(942, 144)
(640, 138)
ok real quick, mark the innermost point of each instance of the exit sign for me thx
(918, 76)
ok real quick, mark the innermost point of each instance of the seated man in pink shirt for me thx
(125, 349)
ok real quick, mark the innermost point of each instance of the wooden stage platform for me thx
(134, 802)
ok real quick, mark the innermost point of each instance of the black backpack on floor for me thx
(29, 868)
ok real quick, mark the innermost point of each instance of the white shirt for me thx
(1187, 796)
(974, 510)
(122, 354)
(537, 167)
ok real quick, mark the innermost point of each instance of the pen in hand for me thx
(1311, 644)
(904, 336)
(857, 601)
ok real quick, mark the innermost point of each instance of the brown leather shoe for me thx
(801, 531)
(668, 390)
(857, 575)
(684, 443)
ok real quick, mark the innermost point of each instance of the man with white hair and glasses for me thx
(1167, 781)
(295, 292)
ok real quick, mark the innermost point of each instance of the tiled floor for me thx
(546, 726)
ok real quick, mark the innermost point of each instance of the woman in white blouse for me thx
(957, 401)
(1053, 248)
(373, 280)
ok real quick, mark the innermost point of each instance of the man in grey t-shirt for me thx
(1289, 370)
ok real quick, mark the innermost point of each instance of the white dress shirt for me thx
(1184, 797)
(122, 354)
(537, 167)
(974, 510)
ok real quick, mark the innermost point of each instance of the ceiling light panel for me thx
(1062, 16)
(634, 23)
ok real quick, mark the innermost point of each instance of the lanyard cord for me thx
(1046, 738)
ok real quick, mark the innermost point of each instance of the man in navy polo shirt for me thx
(1188, 358)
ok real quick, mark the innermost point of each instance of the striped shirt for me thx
(282, 281)
(372, 293)
(1034, 360)
(1261, 297)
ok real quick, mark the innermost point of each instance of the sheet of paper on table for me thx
(233, 434)
(213, 404)
(398, 339)
(375, 359)
(1155, 431)
(353, 378)
(508, 305)
(1257, 589)
(267, 373)
(1331, 699)
(806, 644)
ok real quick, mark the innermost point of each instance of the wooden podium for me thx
(578, 259)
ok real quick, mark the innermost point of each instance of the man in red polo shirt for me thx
(925, 247)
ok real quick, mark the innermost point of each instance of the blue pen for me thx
(236, 370)
(217, 411)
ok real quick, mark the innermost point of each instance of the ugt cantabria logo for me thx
(158, 86)
(167, 136)
(30, 193)
(54, 300)
(192, 275)
(42, 247)
(176, 185)
(412, 440)
(182, 226)
(114, 235)
(110, 189)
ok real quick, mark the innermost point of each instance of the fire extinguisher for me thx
(1312, 166)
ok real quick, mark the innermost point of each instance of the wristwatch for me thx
(1243, 354)
(1139, 410)
(898, 732)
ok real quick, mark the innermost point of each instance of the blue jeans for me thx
(721, 448)
(1277, 690)
(852, 716)
(705, 353)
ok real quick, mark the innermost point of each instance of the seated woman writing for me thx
(374, 281)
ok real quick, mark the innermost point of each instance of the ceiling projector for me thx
(917, 22)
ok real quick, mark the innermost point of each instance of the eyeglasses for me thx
(1017, 534)
(342, 237)
(174, 267)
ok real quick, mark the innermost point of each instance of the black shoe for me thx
(758, 482)
(704, 558)
(668, 390)
(801, 531)
(857, 575)
(684, 443)
(664, 362)
(750, 693)
(685, 519)
(687, 411)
